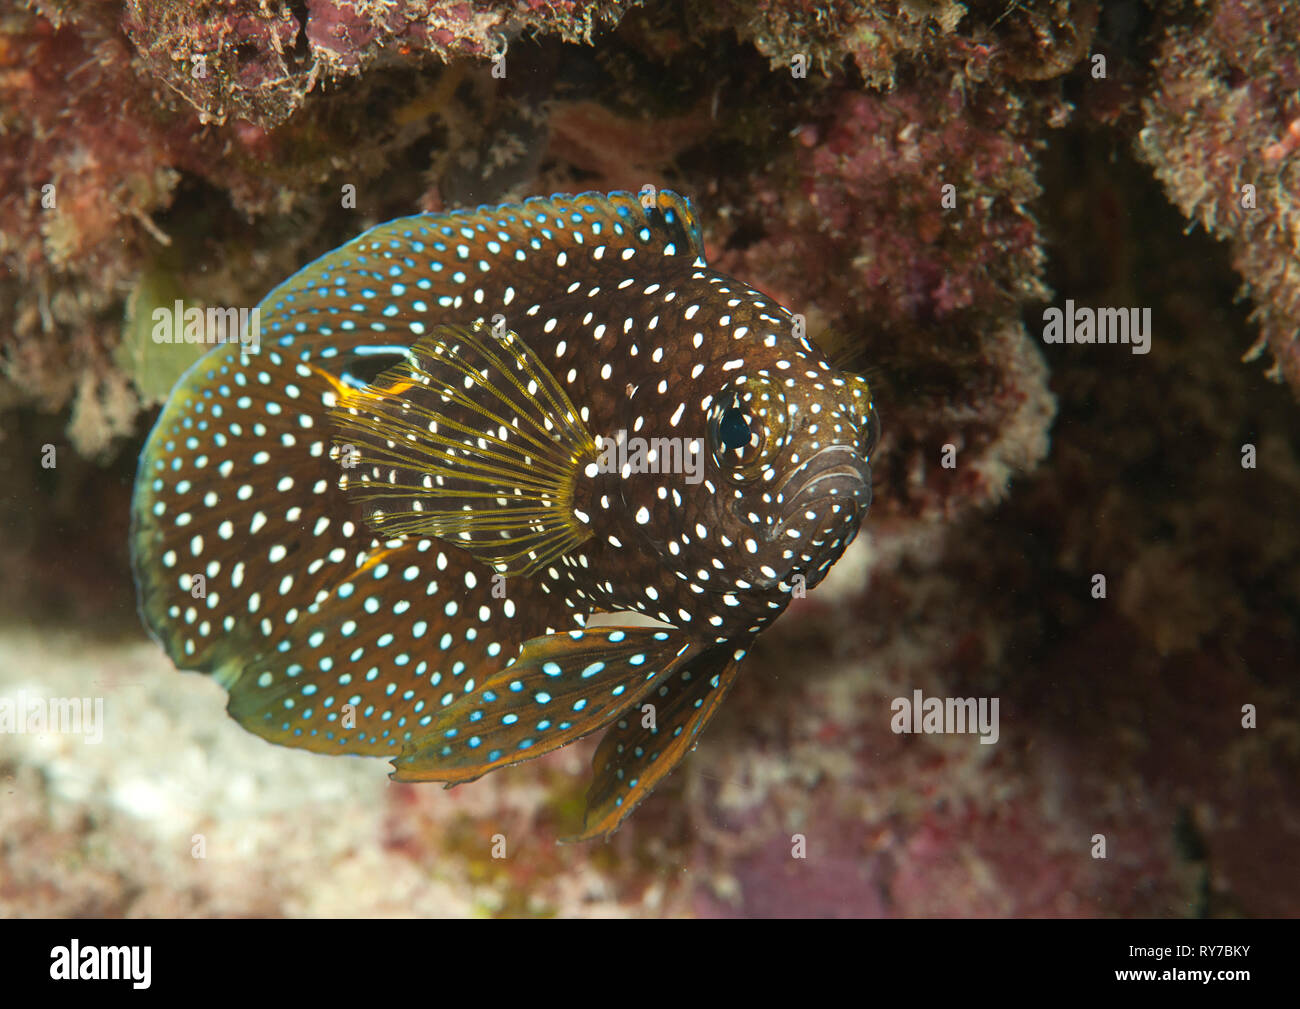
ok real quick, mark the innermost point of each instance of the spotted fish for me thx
(386, 529)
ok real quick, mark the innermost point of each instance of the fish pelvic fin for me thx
(644, 745)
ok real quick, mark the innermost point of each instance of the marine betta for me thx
(402, 522)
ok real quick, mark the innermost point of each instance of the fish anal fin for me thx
(562, 687)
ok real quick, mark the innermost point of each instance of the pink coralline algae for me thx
(257, 61)
(918, 179)
(913, 216)
(967, 239)
(880, 37)
(223, 58)
(1222, 132)
(105, 108)
(83, 166)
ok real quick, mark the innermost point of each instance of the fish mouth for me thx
(833, 475)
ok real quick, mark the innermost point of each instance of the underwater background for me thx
(1104, 540)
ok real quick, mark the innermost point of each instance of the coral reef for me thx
(81, 174)
(206, 150)
(1222, 131)
(912, 233)
(257, 61)
(105, 111)
(881, 37)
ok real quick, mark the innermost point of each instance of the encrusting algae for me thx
(384, 530)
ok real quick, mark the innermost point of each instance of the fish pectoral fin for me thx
(642, 747)
(560, 688)
(470, 439)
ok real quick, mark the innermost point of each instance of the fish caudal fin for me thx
(470, 439)
(562, 687)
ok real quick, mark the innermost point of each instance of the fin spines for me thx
(505, 494)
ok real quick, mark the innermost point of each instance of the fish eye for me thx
(748, 425)
(733, 429)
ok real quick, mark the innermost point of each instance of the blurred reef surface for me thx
(157, 149)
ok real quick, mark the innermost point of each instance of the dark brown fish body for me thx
(463, 436)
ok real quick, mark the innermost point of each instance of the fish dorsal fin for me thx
(455, 265)
(500, 486)
(663, 221)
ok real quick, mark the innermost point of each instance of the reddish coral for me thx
(927, 280)
(1224, 115)
(82, 170)
(619, 151)
(243, 58)
(879, 177)
(223, 57)
(1119, 716)
(883, 37)
(206, 89)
